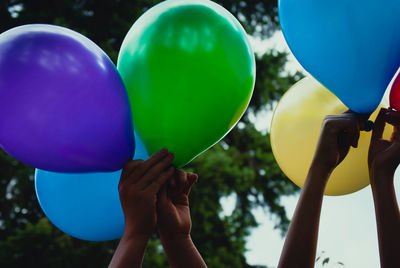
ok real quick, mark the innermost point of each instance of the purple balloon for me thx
(63, 105)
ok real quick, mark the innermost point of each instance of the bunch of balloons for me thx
(295, 128)
(356, 58)
(185, 76)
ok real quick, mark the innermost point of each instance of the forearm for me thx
(301, 240)
(130, 252)
(387, 221)
(181, 252)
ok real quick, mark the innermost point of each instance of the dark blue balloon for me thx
(85, 206)
(350, 46)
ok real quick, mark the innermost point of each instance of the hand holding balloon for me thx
(138, 188)
(302, 110)
(338, 134)
(383, 159)
(139, 185)
(173, 205)
(174, 221)
(384, 155)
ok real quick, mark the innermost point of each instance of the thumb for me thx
(192, 179)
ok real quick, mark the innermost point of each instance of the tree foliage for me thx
(241, 166)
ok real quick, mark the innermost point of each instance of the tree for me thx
(241, 165)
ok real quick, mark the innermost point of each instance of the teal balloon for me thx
(85, 206)
(189, 70)
(350, 46)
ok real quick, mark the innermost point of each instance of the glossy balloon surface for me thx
(295, 129)
(85, 206)
(63, 105)
(190, 72)
(350, 46)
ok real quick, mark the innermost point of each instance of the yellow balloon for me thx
(295, 129)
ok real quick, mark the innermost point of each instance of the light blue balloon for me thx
(350, 46)
(85, 206)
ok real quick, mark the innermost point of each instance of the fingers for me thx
(363, 122)
(160, 180)
(154, 172)
(379, 126)
(140, 170)
(345, 126)
(182, 180)
(395, 135)
(128, 168)
(392, 117)
(353, 135)
(191, 180)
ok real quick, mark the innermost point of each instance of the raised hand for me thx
(174, 222)
(173, 205)
(139, 184)
(138, 188)
(384, 155)
(338, 134)
(383, 159)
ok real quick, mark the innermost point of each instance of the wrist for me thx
(381, 181)
(380, 174)
(319, 172)
(135, 236)
(175, 239)
(321, 167)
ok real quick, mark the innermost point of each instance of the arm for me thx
(140, 181)
(337, 135)
(383, 159)
(174, 222)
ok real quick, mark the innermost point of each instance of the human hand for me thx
(384, 155)
(138, 187)
(173, 206)
(338, 134)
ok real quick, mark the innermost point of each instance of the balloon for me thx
(63, 105)
(350, 46)
(394, 96)
(295, 129)
(85, 206)
(189, 70)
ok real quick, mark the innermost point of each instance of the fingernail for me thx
(171, 155)
(163, 151)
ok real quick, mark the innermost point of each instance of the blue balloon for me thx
(350, 46)
(85, 206)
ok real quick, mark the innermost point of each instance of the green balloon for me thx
(189, 70)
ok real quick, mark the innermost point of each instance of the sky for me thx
(347, 231)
